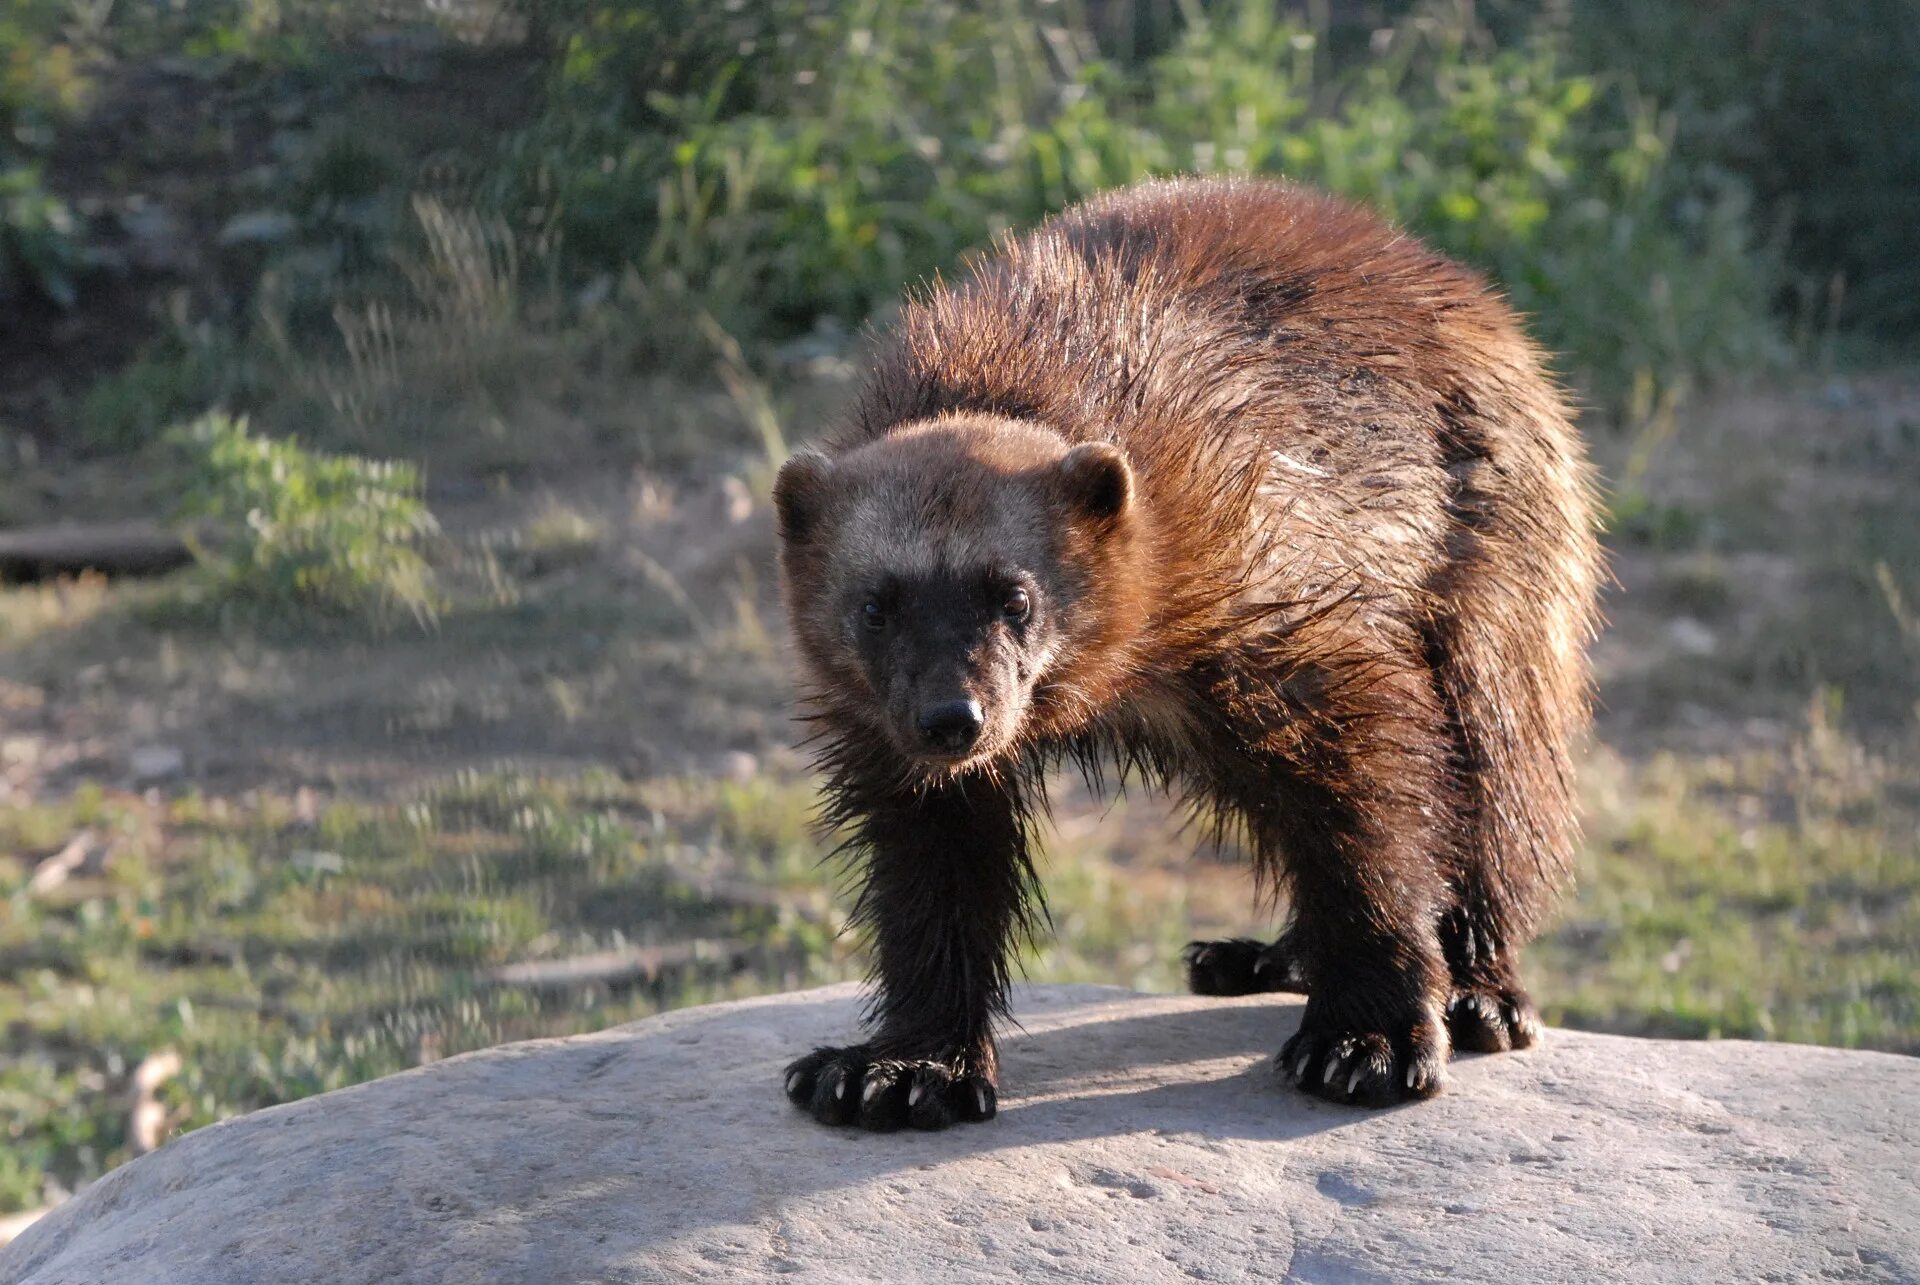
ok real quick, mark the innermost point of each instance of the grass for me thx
(284, 947)
(1756, 897)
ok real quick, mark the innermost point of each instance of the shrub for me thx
(876, 144)
(1636, 267)
(187, 367)
(1816, 106)
(285, 528)
(39, 253)
(41, 84)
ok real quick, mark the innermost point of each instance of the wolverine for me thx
(1231, 486)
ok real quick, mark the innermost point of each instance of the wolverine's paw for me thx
(1241, 966)
(1491, 1019)
(859, 1087)
(1366, 1068)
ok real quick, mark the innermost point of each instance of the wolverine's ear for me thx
(1097, 480)
(797, 492)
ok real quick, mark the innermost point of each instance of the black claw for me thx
(1362, 1068)
(883, 1100)
(1490, 1019)
(928, 1106)
(850, 1086)
(833, 1099)
(1240, 966)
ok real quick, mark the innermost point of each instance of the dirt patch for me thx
(1757, 543)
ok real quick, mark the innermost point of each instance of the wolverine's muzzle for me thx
(951, 727)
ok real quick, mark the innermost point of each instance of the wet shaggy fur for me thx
(1323, 561)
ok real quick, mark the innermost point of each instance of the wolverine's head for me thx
(941, 579)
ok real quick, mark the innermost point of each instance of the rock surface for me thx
(1140, 1138)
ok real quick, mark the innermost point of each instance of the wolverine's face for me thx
(950, 652)
(935, 577)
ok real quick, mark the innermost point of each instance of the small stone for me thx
(153, 764)
(1693, 638)
(312, 862)
(258, 227)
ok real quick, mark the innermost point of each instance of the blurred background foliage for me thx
(796, 179)
(460, 338)
(1675, 193)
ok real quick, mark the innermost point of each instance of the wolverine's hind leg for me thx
(1512, 718)
(1510, 652)
(1488, 1010)
(1499, 883)
(1242, 966)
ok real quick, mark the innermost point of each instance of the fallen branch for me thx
(626, 967)
(56, 869)
(112, 548)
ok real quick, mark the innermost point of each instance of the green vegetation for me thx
(392, 276)
(284, 949)
(1746, 897)
(1811, 106)
(773, 208)
(40, 87)
(280, 527)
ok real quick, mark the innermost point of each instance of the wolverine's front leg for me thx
(947, 883)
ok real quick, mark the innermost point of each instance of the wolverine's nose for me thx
(951, 725)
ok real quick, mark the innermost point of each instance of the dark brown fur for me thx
(1342, 601)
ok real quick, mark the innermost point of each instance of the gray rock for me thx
(152, 764)
(157, 240)
(258, 227)
(1141, 1138)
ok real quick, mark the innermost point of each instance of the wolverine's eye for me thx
(1017, 607)
(873, 617)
